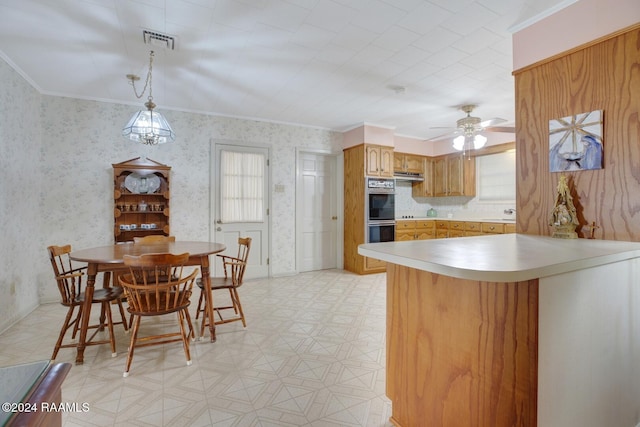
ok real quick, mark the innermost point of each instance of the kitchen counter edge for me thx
(501, 258)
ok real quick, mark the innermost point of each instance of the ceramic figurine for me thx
(564, 219)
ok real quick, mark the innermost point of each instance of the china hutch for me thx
(141, 199)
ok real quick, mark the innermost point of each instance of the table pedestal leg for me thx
(208, 299)
(92, 271)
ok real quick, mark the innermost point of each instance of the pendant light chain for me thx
(147, 81)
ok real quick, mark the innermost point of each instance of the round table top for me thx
(114, 254)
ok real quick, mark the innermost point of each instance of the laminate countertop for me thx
(502, 257)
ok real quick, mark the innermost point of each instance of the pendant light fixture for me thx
(148, 126)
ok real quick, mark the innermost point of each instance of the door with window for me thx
(241, 203)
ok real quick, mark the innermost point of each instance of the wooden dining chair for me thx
(69, 279)
(234, 268)
(150, 291)
(154, 238)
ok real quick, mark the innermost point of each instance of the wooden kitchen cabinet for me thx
(411, 163)
(141, 199)
(472, 229)
(442, 229)
(454, 175)
(492, 227)
(415, 230)
(405, 230)
(356, 166)
(456, 228)
(379, 160)
(425, 229)
(424, 188)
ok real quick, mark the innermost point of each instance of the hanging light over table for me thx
(148, 126)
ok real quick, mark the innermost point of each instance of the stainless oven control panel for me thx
(381, 184)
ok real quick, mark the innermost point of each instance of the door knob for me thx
(219, 229)
(334, 218)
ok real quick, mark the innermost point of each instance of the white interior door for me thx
(317, 211)
(238, 190)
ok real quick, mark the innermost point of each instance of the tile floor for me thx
(312, 355)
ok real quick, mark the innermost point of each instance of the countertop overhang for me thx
(439, 218)
(502, 257)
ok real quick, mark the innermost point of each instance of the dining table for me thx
(110, 259)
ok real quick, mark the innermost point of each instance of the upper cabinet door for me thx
(379, 161)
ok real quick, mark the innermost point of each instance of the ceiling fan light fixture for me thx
(458, 142)
(479, 141)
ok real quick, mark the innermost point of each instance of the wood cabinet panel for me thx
(354, 215)
(492, 227)
(476, 361)
(405, 225)
(454, 175)
(425, 224)
(602, 75)
(424, 188)
(440, 177)
(379, 161)
(403, 162)
(413, 163)
(456, 226)
(405, 230)
(415, 230)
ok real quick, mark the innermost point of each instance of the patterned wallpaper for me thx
(57, 179)
(20, 186)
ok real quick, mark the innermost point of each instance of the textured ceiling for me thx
(403, 64)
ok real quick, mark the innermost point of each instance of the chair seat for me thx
(102, 295)
(217, 283)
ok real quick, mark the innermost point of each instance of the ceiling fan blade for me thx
(491, 122)
(506, 129)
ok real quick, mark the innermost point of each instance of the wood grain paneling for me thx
(460, 352)
(354, 215)
(603, 75)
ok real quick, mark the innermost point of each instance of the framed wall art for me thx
(575, 142)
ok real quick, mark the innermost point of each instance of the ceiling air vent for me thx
(159, 40)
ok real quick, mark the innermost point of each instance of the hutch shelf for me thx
(140, 198)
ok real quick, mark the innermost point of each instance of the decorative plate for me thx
(142, 184)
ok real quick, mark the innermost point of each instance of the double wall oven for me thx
(380, 209)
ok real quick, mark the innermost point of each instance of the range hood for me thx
(408, 176)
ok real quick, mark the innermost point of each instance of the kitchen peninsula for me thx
(512, 329)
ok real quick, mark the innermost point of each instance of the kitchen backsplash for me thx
(460, 207)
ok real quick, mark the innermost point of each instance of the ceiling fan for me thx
(468, 129)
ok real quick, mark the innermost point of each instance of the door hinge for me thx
(267, 261)
(267, 211)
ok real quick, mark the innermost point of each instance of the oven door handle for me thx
(374, 223)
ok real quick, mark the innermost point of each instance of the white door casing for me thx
(228, 233)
